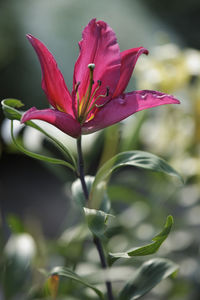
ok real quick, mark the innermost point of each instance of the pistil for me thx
(84, 105)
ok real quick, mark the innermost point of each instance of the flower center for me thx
(88, 101)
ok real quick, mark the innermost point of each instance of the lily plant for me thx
(98, 100)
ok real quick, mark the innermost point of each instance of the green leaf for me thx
(15, 224)
(147, 277)
(67, 153)
(138, 159)
(79, 197)
(77, 191)
(66, 272)
(9, 108)
(96, 220)
(111, 137)
(39, 156)
(147, 249)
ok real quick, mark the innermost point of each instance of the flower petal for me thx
(128, 61)
(98, 46)
(126, 105)
(59, 119)
(53, 82)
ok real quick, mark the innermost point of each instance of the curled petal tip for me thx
(175, 101)
(33, 40)
(142, 50)
(29, 36)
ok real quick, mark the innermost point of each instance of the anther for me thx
(99, 82)
(107, 91)
(77, 85)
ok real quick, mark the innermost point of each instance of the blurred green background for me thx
(35, 197)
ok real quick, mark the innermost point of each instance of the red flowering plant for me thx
(98, 100)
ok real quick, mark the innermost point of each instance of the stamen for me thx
(78, 103)
(100, 96)
(101, 105)
(76, 86)
(85, 105)
(99, 84)
(103, 96)
(77, 96)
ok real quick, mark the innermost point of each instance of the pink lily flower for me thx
(101, 75)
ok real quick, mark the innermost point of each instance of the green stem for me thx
(99, 247)
(96, 240)
(81, 169)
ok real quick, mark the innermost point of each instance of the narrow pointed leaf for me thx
(96, 219)
(139, 159)
(39, 156)
(149, 248)
(67, 153)
(147, 277)
(68, 273)
(10, 107)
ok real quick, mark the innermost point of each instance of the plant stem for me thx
(99, 247)
(81, 168)
(96, 240)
